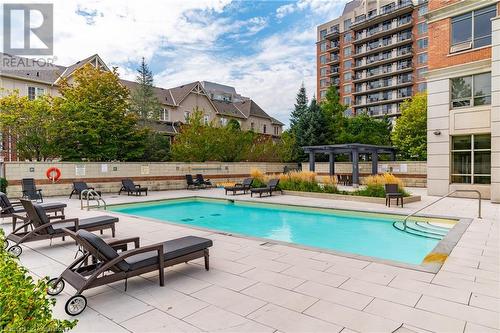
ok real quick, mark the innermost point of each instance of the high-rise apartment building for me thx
(375, 53)
(463, 132)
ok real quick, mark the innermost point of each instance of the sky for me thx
(265, 49)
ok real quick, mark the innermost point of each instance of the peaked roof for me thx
(228, 109)
(29, 69)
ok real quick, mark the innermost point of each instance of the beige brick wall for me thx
(106, 177)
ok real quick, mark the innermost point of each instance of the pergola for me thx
(353, 150)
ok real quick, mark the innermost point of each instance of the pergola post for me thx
(332, 163)
(393, 155)
(374, 162)
(355, 168)
(311, 161)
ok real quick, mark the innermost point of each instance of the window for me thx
(322, 47)
(347, 24)
(347, 64)
(164, 115)
(473, 27)
(276, 130)
(347, 37)
(322, 94)
(264, 129)
(322, 59)
(347, 100)
(422, 28)
(421, 87)
(471, 159)
(34, 92)
(347, 76)
(252, 126)
(423, 43)
(206, 119)
(347, 88)
(472, 90)
(322, 83)
(422, 10)
(186, 115)
(223, 121)
(322, 34)
(322, 71)
(422, 58)
(421, 72)
(347, 51)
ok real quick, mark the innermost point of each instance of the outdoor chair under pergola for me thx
(353, 150)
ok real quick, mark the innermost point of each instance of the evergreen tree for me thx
(144, 102)
(314, 125)
(300, 107)
(333, 112)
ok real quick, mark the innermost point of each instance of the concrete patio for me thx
(254, 286)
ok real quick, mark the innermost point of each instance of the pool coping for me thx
(442, 248)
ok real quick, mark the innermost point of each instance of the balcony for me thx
(383, 45)
(383, 30)
(332, 34)
(379, 101)
(382, 61)
(394, 84)
(359, 77)
(388, 13)
(333, 46)
(333, 60)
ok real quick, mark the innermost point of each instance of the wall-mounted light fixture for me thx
(437, 132)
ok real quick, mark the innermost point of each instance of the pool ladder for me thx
(425, 229)
(91, 195)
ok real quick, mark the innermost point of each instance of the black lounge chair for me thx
(202, 181)
(16, 209)
(245, 186)
(271, 187)
(191, 183)
(392, 191)
(131, 188)
(30, 191)
(108, 265)
(79, 187)
(48, 227)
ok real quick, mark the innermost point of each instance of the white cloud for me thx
(285, 10)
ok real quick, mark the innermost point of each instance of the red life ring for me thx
(49, 174)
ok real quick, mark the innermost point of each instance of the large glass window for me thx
(347, 51)
(473, 27)
(322, 71)
(422, 28)
(347, 64)
(422, 58)
(471, 159)
(423, 43)
(322, 34)
(472, 90)
(322, 47)
(347, 88)
(422, 10)
(322, 59)
(347, 24)
(347, 37)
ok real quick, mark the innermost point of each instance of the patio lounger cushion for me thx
(171, 249)
(103, 248)
(87, 223)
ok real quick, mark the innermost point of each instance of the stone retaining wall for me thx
(106, 177)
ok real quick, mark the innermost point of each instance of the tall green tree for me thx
(31, 122)
(93, 122)
(300, 107)
(333, 111)
(410, 131)
(313, 126)
(144, 102)
(365, 129)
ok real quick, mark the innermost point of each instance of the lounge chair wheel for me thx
(5, 244)
(15, 250)
(55, 289)
(75, 305)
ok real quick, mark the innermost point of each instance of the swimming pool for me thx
(362, 233)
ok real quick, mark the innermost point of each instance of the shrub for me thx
(259, 178)
(306, 181)
(3, 185)
(24, 304)
(375, 185)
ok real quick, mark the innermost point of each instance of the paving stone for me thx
(335, 295)
(286, 298)
(383, 292)
(485, 302)
(158, 321)
(329, 279)
(419, 318)
(229, 300)
(292, 322)
(118, 306)
(275, 279)
(354, 319)
(452, 294)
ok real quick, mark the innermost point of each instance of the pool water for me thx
(354, 232)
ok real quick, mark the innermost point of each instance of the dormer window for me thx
(35, 92)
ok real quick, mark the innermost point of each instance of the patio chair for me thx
(16, 209)
(79, 187)
(49, 227)
(30, 191)
(191, 183)
(202, 181)
(392, 191)
(108, 265)
(271, 187)
(131, 188)
(245, 186)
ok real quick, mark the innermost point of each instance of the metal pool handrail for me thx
(443, 197)
(91, 194)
